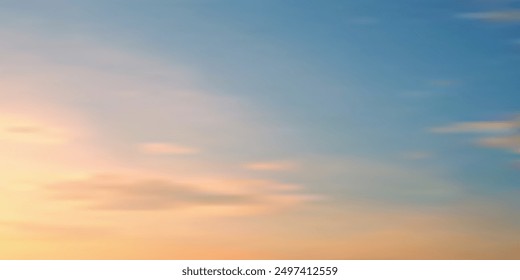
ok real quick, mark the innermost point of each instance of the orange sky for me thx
(109, 153)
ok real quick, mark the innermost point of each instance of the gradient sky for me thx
(259, 129)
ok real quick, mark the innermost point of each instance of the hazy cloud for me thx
(130, 97)
(511, 143)
(477, 127)
(24, 129)
(512, 15)
(112, 192)
(507, 130)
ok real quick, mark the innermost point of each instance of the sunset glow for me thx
(259, 129)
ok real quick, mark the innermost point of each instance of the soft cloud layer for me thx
(121, 192)
(28, 125)
(72, 107)
(131, 97)
(469, 229)
(32, 134)
(510, 143)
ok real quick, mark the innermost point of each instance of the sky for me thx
(259, 129)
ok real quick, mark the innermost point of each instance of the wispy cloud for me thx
(511, 15)
(163, 148)
(477, 127)
(507, 132)
(112, 192)
(511, 143)
(19, 128)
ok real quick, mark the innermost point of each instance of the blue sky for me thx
(377, 104)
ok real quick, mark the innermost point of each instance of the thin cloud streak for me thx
(507, 131)
(118, 192)
(477, 127)
(18, 128)
(511, 15)
(509, 143)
